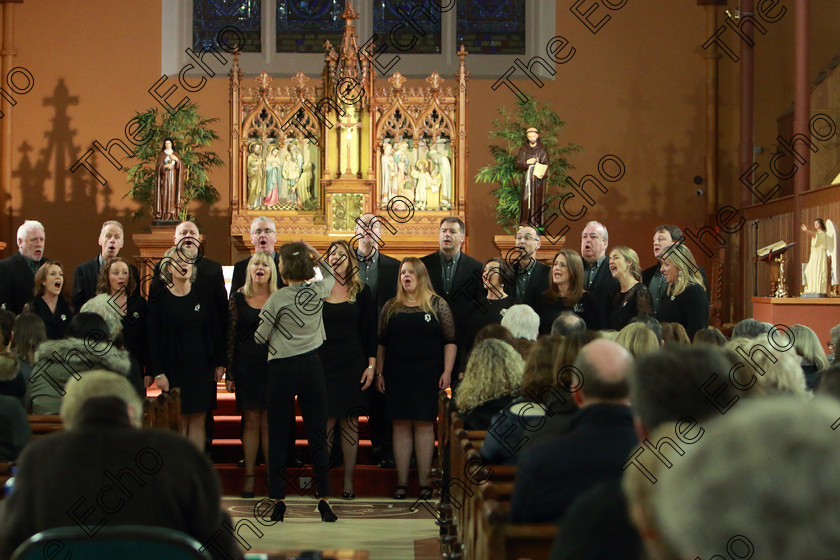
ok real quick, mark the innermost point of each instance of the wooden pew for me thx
(45, 424)
(501, 540)
(163, 411)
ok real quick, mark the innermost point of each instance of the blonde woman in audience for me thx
(809, 349)
(637, 339)
(491, 382)
(768, 371)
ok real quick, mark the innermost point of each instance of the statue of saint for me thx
(169, 183)
(273, 163)
(389, 173)
(533, 160)
(255, 170)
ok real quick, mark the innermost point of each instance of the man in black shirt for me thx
(263, 238)
(530, 277)
(17, 273)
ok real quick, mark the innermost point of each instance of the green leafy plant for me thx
(191, 135)
(509, 178)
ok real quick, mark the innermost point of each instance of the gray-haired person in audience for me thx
(524, 324)
(568, 322)
(157, 478)
(810, 352)
(759, 484)
(750, 328)
(833, 341)
(768, 371)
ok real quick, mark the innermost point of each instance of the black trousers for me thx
(302, 376)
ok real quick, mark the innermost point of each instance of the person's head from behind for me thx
(709, 335)
(29, 332)
(7, 326)
(674, 333)
(763, 369)
(829, 382)
(494, 369)
(605, 368)
(568, 322)
(103, 306)
(808, 347)
(98, 384)
(93, 330)
(652, 323)
(296, 263)
(834, 340)
(522, 322)
(760, 483)
(494, 331)
(539, 372)
(750, 328)
(637, 339)
(665, 386)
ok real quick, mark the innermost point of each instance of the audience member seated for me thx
(750, 328)
(29, 332)
(50, 303)
(498, 332)
(553, 473)
(829, 382)
(104, 306)
(87, 347)
(833, 341)
(768, 371)
(543, 396)
(104, 460)
(608, 334)
(810, 352)
(652, 323)
(709, 335)
(580, 534)
(674, 333)
(759, 484)
(491, 382)
(637, 339)
(568, 323)
(12, 382)
(566, 292)
(524, 324)
(15, 432)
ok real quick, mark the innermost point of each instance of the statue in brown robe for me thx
(533, 188)
(169, 183)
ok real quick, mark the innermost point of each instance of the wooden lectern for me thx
(773, 256)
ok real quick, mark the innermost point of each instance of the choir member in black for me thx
(565, 293)
(632, 297)
(530, 275)
(597, 279)
(247, 371)
(263, 238)
(49, 302)
(86, 277)
(415, 358)
(292, 328)
(685, 301)
(490, 308)
(348, 354)
(17, 272)
(186, 347)
(117, 280)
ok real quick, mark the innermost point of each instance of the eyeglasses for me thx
(260, 231)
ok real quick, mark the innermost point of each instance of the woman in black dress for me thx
(685, 302)
(247, 371)
(348, 354)
(565, 292)
(186, 349)
(632, 297)
(491, 308)
(416, 355)
(49, 302)
(116, 280)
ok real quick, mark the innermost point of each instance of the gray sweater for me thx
(290, 321)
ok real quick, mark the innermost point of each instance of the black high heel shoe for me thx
(246, 494)
(279, 511)
(326, 512)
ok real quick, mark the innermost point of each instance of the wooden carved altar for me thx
(315, 154)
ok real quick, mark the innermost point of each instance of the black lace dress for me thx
(624, 306)
(414, 341)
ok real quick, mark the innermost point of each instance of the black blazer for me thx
(240, 273)
(84, 282)
(553, 473)
(602, 288)
(16, 282)
(534, 289)
(690, 309)
(387, 277)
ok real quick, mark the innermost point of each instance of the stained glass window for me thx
(491, 26)
(209, 16)
(386, 15)
(304, 25)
